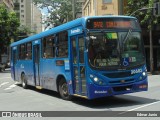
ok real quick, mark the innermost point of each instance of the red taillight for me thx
(143, 86)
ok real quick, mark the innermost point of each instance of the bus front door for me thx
(36, 61)
(78, 47)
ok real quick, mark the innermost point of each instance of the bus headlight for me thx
(97, 80)
(143, 76)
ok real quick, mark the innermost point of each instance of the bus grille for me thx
(118, 74)
(122, 88)
(121, 81)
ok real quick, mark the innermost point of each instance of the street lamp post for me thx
(150, 37)
(141, 9)
(151, 47)
(73, 8)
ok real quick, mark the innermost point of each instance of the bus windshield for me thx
(115, 49)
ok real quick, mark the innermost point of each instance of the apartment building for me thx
(117, 7)
(8, 3)
(29, 14)
(103, 7)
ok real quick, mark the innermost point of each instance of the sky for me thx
(44, 11)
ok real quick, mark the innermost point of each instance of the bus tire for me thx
(63, 90)
(24, 81)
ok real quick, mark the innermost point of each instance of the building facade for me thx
(103, 7)
(29, 15)
(8, 3)
(117, 7)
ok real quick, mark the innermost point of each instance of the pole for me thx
(151, 47)
(73, 8)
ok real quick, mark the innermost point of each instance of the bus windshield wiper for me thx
(128, 34)
(126, 37)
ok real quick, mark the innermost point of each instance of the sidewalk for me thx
(154, 73)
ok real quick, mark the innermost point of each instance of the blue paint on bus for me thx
(62, 55)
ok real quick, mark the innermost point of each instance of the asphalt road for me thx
(14, 98)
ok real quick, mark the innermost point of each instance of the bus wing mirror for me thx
(87, 38)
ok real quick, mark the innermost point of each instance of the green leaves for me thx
(144, 15)
(60, 10)
(8, 27)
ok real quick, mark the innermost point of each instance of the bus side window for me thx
(22, 52)
(48, 47)
(62, 44)
(29, 51)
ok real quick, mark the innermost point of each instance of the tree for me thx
(8, 28)
(23, 32)
(60, 11)
(144, 11)
(145, 15)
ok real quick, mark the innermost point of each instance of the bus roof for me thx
(66, 26)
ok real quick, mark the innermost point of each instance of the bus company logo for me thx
(75, 31)
(100, 92)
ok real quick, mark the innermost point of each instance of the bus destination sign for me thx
(111, 24)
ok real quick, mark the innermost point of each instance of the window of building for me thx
(107, 1)
(62, 44)
(22, 1)
(22, 6)
(22, 16)
(48, 47)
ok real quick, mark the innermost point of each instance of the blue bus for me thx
(90, 57)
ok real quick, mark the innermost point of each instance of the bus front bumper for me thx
(96, 91)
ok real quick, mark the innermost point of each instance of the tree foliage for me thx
(144, 11)
(9, 24)
(60, 11)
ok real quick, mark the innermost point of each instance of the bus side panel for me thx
(25, 67)
(28, 66)
(49, 72)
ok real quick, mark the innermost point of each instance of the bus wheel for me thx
(24, 81)
(63, 90)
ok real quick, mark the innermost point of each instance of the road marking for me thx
(4, 78)
(3, 84)
(140, 107)
(10, 87)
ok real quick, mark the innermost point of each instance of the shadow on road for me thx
(43, 91)
(113, 102)
(101, 103)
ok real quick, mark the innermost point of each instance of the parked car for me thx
(2, 67)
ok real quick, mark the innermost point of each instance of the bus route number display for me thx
(112, 24)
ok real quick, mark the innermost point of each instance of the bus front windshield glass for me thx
(115, 49)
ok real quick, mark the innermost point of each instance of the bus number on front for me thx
(98, 24)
